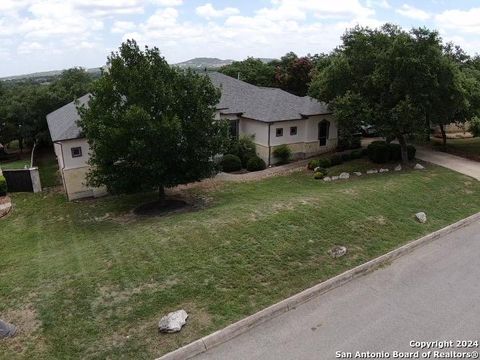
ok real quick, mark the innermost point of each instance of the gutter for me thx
(269, 147)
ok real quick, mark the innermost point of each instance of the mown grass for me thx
(17, 164)
(48, 168)
(89, 280)
(469, 148)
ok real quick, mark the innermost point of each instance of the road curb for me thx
(206, 343)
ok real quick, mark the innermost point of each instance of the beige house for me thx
(271, 116)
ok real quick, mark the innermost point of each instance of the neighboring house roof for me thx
(62, 123)
(261, 103)
(238, 97)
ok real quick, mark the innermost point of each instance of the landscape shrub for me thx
(231, 163)
(346, 157)
(256, 164)
(395, 151)
(411, 151)
(379, 152)
(335, 160)
(318, 175)
(283, 153)
(474, 126)
(244, 148)
(324, 162)
(312, 164)
(3, 186)
(356, 154)
(320, 169)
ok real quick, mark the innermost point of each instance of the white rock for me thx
(334, 178)
(318, 168)
(421, 217)
(344, 176)
(327, 178)
(419, 167)
(173, 322)
(357, 173)
(383, 170)
(337, 251)
(7, 330)
(398, 167)
(372, 171)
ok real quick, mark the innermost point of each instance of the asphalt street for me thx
(431, 294)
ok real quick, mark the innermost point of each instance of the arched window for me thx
(323, 131)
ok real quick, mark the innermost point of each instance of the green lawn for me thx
(469, 148)
(89, 280)
(48, 168)
(17, 164)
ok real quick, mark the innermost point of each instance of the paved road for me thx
(430, 294)
(456, 163)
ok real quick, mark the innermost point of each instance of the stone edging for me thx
(221, 336)
(5, 206)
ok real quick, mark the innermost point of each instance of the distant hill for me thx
(209, 63)
(44, 75)
(197, 63)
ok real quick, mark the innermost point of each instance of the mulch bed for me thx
(3, 201)
(157, 208)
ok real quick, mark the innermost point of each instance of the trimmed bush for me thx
(336, 160)
(395, 152)
(231, 163)
(3, 186)
(318, 175)
(324, 162)
(283, 153)
(411, 151)
(474, 126)
(379, 152)
(356, 154)
(244, 148)
(256, 164)
(312, 164)
(346, 157)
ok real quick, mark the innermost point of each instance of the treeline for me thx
(402, 82)
(291, 73)
(24, 105)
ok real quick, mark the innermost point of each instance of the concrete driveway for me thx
(456, 163)
(430, 294)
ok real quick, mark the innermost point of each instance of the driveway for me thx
(429, 294)
(456, 163)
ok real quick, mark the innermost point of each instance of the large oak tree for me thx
(150, 126)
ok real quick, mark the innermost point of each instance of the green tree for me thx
(72, 84)
(391, 79)
(150, 126)
(254, 71)
(293, 74)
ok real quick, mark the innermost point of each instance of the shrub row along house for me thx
(272, 117)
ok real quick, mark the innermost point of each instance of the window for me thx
(76, 152)
(323, 132)
(293, 131)
(233, 130)
(279, 132)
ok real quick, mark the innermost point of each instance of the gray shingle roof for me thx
(263, 104)
(62, 123)
(238, 97)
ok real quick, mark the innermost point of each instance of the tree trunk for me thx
(20, 145)
(427, 128)
(403, 148)
(444, 136)
(161, 195)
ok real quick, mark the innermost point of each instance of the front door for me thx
(323, 130)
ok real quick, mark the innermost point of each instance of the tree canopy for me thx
(150, 125)
(396, 80)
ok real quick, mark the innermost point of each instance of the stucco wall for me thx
(304, 144)
(75, 162)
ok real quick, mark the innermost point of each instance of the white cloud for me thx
(384, 4)
(467, 21)
(121, 27)
(208, 11)
(167, 3)
(413, 12)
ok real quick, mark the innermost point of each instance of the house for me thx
(275, 117)
(271, 116)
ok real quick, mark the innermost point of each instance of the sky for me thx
(42, 35)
